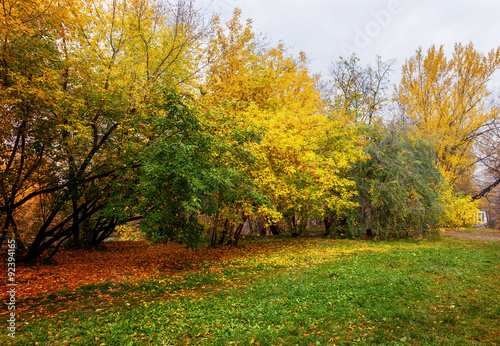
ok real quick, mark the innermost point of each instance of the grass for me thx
(474, 230)
(306, 292)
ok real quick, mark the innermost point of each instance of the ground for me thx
(474, 236)
(269, 291)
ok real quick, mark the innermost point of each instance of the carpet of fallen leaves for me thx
(51, 289)
(121, 261)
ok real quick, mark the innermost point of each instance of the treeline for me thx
(154, 112)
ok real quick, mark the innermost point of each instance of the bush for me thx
(459, 210)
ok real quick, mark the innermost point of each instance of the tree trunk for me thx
(328, 225)
(486, 190)
(274, 229)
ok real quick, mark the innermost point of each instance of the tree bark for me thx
(486, 190)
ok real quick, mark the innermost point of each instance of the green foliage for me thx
(399, 185)
(181, 174)
(171, 174)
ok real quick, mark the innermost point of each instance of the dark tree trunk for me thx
(213, 242)
(238, 231)
(328, 225)
(486, 190)
(225, 231)
(274, 229)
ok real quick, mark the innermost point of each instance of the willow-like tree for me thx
(399, 185)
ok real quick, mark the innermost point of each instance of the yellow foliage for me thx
(445, 99)
(294, 167)
(303, 155)
(127, 232)
(459, 210)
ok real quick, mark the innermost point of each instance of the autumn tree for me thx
(356, 90)
(447, 99)
(30, 73)
(355, 95)
(399, 185)
(299, 162)
(487, 176)
(78, 108)
(488, 148)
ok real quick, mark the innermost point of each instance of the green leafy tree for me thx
(180, 179)
(86, 90)
(398, 186)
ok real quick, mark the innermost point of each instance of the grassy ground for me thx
(474, 230)
(301, 292)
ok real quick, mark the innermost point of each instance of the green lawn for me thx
(311, 292)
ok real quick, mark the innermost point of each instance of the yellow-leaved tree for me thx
(82, 85)
(301, 159)
(446, 99)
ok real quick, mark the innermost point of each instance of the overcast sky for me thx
(393, 29)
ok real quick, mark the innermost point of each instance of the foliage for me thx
(147, 111)
(128, 232)
(28, 92)
(489, 155)
(181, 177)
(102, 143)
(399, 185)
(301, 161)
(447, 99)
(86, 90)
(459, 210)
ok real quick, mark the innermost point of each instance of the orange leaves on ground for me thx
(119, 261)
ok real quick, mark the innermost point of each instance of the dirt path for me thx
(473, 236)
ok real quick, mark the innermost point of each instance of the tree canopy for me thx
(447, 99)
(150, 111)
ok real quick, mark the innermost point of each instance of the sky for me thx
(393, 29)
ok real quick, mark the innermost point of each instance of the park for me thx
(170, 176)
(269, 291)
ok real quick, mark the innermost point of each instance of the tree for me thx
(180, 179)
(355, 95)
(87, 90)
(489, 148)
(356, 90)
(447, 100)
(399, 186)
(29, 90)
(264, 89)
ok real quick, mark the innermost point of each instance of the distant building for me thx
(482, 218)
